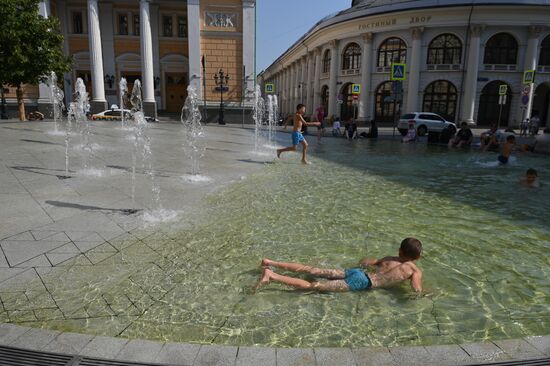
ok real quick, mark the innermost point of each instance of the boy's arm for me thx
(416, 280)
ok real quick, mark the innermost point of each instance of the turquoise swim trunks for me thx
(297, 137)
(357, 280)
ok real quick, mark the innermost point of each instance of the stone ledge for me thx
(143, 351)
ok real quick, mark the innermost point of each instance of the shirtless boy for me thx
(389, 271)
(297, 137)
(506, 150)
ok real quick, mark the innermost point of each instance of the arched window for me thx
(351, 57)
(501, 49)
(489, 109)
(392, 50)
(324, 97)
(440, 97)
(326, 62)
(544, 58)
(385, 104)
(347, 109)
(445, 49)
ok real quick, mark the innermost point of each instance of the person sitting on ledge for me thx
(411, 134)
(389, 271)
(463, 137)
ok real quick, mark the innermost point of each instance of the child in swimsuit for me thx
(297, 137)
(389, 271)
(507, 149)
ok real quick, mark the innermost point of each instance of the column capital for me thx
(367, 37)
(304, 57)
(476, 29)
(317, 50)
(416, 32)
(334, 43)
(534, 31)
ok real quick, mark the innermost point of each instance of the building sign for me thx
(220, 20)
(355, 88)
(529, 76)
(418, 19)
(398, 71)
(269, 88)
(502, 90)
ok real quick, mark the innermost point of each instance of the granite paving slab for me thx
(542, 343)
(252, 356)
(216, 356)
(295, 357)
(334, 356)
(103, 347)
(178, 354)
(379, 356)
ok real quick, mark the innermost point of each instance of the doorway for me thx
(176, 91)
(541, 104)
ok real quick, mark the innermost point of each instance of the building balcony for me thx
(543, 68)
(350, 72)
(444, 67)
(498, 67)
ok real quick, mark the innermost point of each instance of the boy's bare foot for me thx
(305, 162)
(279, 153)
(264, 280)
(266, 262)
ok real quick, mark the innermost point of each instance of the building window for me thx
(544, 58)
(324, 97)
(501, 49)
(78, 27)
(347, 109)
(445, 49)
(385, 105)
(136, 25)
(326, 62)
(489, 108)
(167, 26)
(352, 57)
(182, 27)
(392, 50)
(123, 24)
(440, 97)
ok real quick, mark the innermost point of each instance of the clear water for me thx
(486, 263)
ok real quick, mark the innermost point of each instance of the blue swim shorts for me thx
(502, 159)
(357, 280)
(297, 137)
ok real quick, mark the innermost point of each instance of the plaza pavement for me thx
(49, 217)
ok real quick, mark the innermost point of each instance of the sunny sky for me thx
(281, 22)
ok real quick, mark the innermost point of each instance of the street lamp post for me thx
(221, 80)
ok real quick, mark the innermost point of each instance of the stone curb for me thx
(120, 349)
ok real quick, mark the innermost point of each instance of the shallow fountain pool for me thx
(486, 266)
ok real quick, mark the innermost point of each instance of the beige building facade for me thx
(160, 42)
(457, 54)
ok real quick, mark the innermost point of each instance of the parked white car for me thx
(115, 114)
(424, 122)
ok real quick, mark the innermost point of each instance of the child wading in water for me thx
(390, 271)
(297, 137)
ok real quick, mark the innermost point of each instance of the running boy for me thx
(297, 137)
(506, 150)
(389, 271)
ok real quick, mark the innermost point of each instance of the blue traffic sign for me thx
(398, 71)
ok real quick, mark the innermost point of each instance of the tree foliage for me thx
(31, 46)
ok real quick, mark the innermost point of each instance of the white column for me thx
(249, 30)
(154, 12)
(146, 53)
(414, 70)
(317, 78)
(194, 39)
(309, 83)
(366, 69)
(44, 91)
(108, 47)
(332, 92)
(98, 102)
(531, 58)
(470, 84)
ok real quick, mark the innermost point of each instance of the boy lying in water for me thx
(390, 271)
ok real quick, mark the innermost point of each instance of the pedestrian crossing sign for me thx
(355, 89)
(398, 71)
(269, 88)
(529, 76)
(502, 89)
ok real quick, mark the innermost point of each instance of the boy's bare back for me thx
(393, 270)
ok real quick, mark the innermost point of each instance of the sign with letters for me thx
(398, 71)
(269, 88)
(355, 89)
